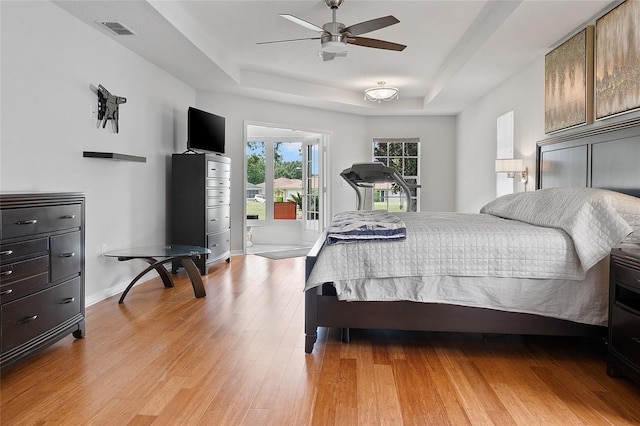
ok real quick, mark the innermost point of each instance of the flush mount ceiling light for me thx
(381, 93)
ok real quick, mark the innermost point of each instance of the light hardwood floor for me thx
(237, 357)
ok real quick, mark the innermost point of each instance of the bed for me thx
(477, 295)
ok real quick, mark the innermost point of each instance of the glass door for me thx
(285, 192)
(311, 194)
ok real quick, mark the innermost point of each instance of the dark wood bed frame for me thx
(603, 156)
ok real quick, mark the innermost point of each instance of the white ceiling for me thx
(457, 50)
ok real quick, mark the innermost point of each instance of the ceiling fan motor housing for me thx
(332, 39)
(333, 4)
(333, 32)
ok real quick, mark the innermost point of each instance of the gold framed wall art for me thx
(568, 83)
(617, 47)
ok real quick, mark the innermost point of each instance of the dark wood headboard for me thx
(604, 157)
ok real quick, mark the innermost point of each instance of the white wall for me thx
(437, 154)
(476, 136)
(351, 137)
(49, 60)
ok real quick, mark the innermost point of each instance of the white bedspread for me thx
(456, 244)
(584, 301)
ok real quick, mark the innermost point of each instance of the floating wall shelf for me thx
(114, 156)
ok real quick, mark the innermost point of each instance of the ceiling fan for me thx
(335, 36)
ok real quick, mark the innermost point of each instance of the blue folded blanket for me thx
(365, 225)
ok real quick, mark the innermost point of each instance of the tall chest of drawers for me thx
(201, 205)
(41, 271)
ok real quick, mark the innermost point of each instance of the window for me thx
(403, 155)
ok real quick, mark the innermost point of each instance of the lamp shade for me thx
(506, 165)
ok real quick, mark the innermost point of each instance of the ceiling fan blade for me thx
(378, 44)
(368, 26)
(302, 22)
(285, 41)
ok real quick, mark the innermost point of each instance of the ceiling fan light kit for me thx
(381, 93)
(334, 35)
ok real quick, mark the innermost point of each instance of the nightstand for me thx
(623, 358)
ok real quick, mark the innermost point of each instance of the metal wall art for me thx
(108, 107)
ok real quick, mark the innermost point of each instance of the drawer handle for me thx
(5, 292)
(6, 252)
(68, 300)
(67, 254)
(5, 273)
(68, 216)
(636, 339)
(27, 319)
(27, 222)
(215, 245)
(213, 220)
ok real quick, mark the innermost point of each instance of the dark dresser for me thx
(41, 271)
(624, 314)
(201, 205)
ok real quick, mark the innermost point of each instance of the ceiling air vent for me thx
(117, 28)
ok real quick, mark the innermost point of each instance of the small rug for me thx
(285, 254)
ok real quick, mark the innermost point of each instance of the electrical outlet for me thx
(103, 248)
(92, 112)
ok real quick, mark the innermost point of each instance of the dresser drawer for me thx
(23, 287)
(10, 252)
(218, 244)
(66, 255)
(625, 334)
(26, 318)
(36, 220)
(218, 193)
(218, 219)
(627, 276)
(216, 169)
(24, 268)
(219, 184)
(222, 201)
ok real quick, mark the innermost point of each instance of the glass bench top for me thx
(172, 250)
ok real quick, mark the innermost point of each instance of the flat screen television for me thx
(205, 131)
